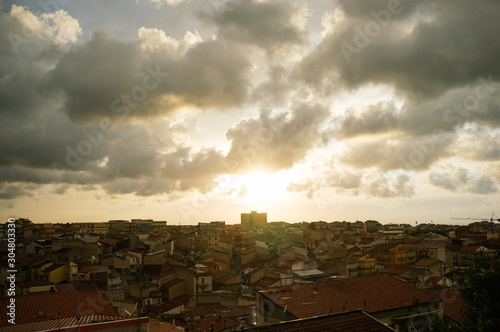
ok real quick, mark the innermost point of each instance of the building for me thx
(389, 254)
(57, 308)
(388, 299)
(254, 219)
(356, 320)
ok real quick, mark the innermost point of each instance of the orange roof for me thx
(205, 324)
(266, 282)
(433, 279)
(394, 270)
(426, 262)
(42, 306)
(452, 302)
(376, 293)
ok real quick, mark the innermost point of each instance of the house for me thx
(227, 281)
(86, 305)
(35, 268)
(356, 320)
(468, 254)
(211, 324)
(35, 286)
(165, 308)
(95, 275)
(387, 298)
(427, 267)
(427, 250)
(438, 281)
(389, 254)
(364, 264)
(54, 273)
(173, 288)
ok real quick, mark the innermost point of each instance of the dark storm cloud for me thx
(108, 77)
(421, 48)
(268, 25)
(275, 142)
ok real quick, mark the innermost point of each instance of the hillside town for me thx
(147, 275)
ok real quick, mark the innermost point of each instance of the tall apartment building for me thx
(254, 219)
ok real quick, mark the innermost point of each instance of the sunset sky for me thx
(195, 110)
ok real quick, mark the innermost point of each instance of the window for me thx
(266, 312)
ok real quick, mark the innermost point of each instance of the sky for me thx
(192, 111)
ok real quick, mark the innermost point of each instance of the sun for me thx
(259, 187)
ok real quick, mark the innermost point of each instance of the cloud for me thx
(379, 118)
(399, 152)
(400, 186)
(275, 142)
(267, 25)
(461, 180)
(449, 180)
(160, 3)
(422, 49)
(479, 144)
(135, 79)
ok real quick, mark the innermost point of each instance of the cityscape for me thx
(249, 165)
(148, 275)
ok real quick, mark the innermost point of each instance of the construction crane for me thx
(483, 219)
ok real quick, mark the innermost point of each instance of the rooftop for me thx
(374, 294)
(266, 282)
(351, 321)
(34, 283)
(426, 262)
(43, 306)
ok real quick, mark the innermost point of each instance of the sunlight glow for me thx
(258, 187)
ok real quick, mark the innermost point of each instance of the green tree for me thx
(480, 291)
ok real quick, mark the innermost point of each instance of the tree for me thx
(480, 291)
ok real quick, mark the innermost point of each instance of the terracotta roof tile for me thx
(426, 262)
(29, 308)
(351, 321)
(452, 302)
(165, 306)
(266, 282)
(381, 292)
(433, 279)
(394, 270)
(205, 324)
